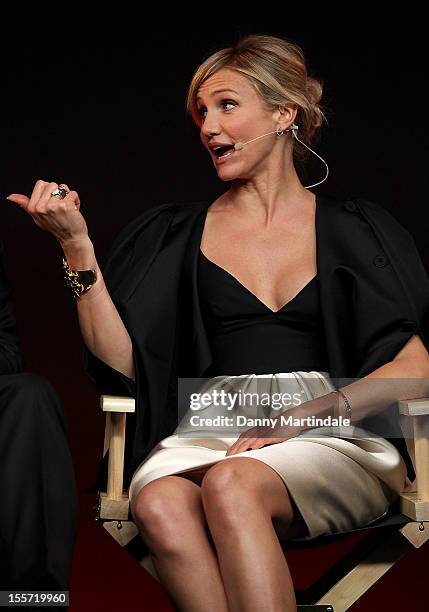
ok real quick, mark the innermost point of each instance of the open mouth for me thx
(223, 151)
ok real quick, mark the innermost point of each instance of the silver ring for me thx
(59, 193)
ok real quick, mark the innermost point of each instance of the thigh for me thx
(196, 475)
(241, 476)
(157, 518)
(153, 501)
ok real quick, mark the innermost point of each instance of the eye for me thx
(202, 109)
(228, 102)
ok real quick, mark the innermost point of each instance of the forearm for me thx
(103, 330)
(395, 380)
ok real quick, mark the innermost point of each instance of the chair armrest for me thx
(115, 504)
(414, 415)
(414, 407)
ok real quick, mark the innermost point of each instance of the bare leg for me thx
(171, 520)
(241, 497)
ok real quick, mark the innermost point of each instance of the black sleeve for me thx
(107, 380)
(10, 355)
(119, 267)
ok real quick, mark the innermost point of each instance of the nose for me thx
(210, 127)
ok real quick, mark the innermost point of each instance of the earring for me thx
(279, 131)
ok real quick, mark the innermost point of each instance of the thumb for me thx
(19, 199)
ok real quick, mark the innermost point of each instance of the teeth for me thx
(217, 150)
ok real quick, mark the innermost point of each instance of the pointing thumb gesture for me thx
(55, 209)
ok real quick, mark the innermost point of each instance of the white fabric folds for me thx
(338, 482)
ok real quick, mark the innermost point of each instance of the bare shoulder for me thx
(219, 205)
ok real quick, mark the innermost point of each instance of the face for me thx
(230, 111)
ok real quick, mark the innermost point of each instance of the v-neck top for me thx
(246, 336)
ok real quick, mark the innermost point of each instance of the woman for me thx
(241, 290)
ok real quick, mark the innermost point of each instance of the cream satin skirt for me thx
(338, 483)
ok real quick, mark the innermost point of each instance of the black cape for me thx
(374, 295)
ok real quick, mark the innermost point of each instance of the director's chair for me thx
(405, 527)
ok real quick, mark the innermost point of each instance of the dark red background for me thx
(99, 103)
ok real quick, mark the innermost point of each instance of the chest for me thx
(274, 263)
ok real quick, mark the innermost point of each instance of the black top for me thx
(373, 287)
(247, 337)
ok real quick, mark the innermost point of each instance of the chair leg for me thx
(148, 565)
(320, 608)
(359, 579)
(124, 534)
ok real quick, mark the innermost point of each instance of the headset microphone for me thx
(294, 128)
(239, 145)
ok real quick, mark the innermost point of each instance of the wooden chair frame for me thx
(349, 578)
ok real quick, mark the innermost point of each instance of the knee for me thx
(161, 522)
(150, 506)
(230, 496)
(226, 491)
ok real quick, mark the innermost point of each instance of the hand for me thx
(61, 218)
(257, 437)
(263, 436)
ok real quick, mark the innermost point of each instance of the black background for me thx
(98, 101)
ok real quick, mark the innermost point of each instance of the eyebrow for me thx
(221, 91)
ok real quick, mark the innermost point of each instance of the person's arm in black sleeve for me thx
(107, 380)
(128, 254)
(10, 355)
(103, 330)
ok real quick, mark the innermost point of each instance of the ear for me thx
(284, 116)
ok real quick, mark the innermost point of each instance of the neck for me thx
(268, 204)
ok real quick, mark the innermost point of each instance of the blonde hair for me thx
(276, 67)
